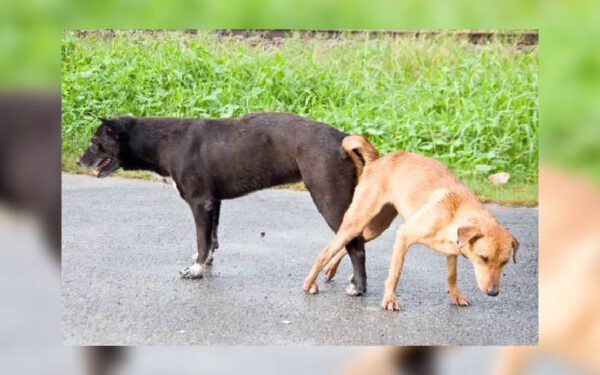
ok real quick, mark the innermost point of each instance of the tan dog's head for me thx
(489, 247)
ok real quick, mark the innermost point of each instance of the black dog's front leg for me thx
(203, 217)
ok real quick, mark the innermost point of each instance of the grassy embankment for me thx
(474, 108)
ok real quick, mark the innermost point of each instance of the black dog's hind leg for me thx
(358, 282)
(203, 217)
(331, 184)
(214, 241)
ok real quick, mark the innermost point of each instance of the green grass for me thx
(474, 108)
(513, 193)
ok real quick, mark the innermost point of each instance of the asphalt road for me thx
(124, 242)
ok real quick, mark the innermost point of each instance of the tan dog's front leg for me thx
(400, 248)
(456, 298)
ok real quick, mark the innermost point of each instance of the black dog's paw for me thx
(207, 263)
(209, 259)
(353, 291)
(196, 271)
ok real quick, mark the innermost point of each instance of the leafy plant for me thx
(474, 108)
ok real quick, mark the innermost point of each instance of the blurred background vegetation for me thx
(474, 107)
(31, 30)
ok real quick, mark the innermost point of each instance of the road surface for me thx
(125, 240)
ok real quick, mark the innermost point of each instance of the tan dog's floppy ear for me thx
(466, 234)
(515, 246)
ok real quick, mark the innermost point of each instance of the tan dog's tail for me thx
(360, 151)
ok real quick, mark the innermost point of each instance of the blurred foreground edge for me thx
(30, 166)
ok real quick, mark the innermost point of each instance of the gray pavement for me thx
(125, 240)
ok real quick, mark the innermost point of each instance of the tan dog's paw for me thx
(458, 299)
(390, 304)
(310, 288)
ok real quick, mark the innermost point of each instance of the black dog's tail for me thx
(360, 151)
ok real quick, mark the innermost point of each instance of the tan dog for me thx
(438, 210)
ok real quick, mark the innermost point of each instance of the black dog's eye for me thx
(484, 259)
(100, 148)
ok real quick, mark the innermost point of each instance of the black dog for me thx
(214, 159)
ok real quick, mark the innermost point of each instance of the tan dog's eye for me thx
(484, 259)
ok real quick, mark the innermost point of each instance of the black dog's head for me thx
(106, 150)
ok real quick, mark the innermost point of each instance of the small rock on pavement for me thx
(499, 178)
(286, 322)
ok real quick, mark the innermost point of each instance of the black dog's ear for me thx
(116, 127)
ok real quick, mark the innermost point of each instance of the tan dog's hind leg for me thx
(329, 251)
(456, 298)
(366, 203)
(331, 267)
(379, 224)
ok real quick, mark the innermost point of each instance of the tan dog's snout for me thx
(493, 290)
(488, 280)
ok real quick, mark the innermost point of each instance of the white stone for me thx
(499, 178)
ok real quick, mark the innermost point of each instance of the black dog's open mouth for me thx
(104, 167)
